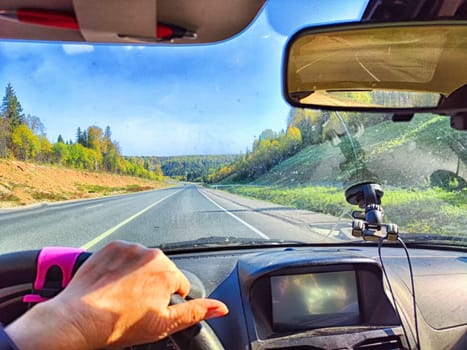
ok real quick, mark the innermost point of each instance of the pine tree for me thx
(11, 108)
(107, 133)
(79, 135)
(60, 139)
(84, 138)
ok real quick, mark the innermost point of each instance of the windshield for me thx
(195, 145)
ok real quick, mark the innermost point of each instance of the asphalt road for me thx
(154, 217)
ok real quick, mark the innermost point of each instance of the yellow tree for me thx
(61, 153)
(25, 144)
(95, 141)
(45, 150)
(95, 138)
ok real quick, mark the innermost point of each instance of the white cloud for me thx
(76, 49)
(131, 47)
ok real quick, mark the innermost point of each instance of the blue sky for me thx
(208, 99)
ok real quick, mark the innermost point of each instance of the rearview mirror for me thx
(397, 67)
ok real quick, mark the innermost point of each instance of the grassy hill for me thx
(401, 156)
(392, 153)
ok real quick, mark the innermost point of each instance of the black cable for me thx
(412, 281)
(380, 244)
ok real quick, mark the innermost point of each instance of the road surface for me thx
(161, 216)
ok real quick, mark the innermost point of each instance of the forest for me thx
(23, 137)
(304, 128)
(308, 128)
(193, 168)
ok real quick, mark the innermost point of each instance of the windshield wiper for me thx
(434, 240)
(224, 241)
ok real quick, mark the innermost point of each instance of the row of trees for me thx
(23, 137)
(193, 168)
(268, 150)
(305, 127)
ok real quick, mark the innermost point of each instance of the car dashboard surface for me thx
(331, 297)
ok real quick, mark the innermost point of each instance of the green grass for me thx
(107, 190)
(48, 196)
(8, 197)
(137, 188)
(399, 154)
(432, 210)
(391, 136)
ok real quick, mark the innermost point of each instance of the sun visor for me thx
(116, 20)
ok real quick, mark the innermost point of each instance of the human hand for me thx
(119, 297)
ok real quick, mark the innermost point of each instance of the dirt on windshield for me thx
(24, 183)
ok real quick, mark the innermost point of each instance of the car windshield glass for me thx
(195, 145)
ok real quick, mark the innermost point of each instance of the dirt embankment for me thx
(26, 183)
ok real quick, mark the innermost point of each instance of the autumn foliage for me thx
(22, 137)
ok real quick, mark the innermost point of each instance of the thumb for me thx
(187, 314)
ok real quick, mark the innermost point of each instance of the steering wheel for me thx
(18, 273)
(198, 337)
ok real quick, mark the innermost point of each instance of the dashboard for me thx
(328, 297)
(331, 297)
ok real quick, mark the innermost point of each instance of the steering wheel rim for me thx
(17, 275)
(198, 337)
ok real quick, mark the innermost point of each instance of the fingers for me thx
(131, 256)
(178, 283)
(125, 289)
(187, 314)
(121, 258)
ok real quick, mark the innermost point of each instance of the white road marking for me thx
(107, 233)
(254, 229)
(366, 69)
(95, 206)
(313, 62)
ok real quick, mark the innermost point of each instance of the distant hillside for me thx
(392, 152)
(189, 168)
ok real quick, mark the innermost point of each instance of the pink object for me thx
(62, 257)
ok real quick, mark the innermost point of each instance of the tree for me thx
(5, 135)
(61, 153)
(78, 135)
(78, 157)
(111, 156)
(11, 116)
(45, 151)
(309, 122)
(107, 133)
(84, 139)
(11, 108)
(108, 149)
(60, 139)
(95, 138)
(25, 144)
(291, 142)
(35, 124)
